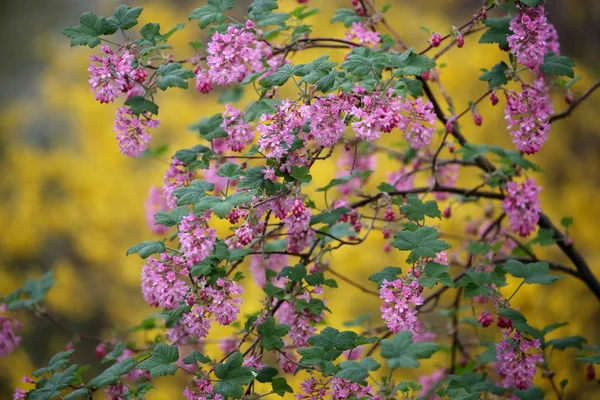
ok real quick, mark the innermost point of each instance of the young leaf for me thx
(496, 76)
(422, 242)
(125, 17)
(388, 274)
(140, 105)
(147, 248)
(435, 272)
(416, 210)
(401, 352)
(535, 272)
(232, 376)
(271, 334)
(90, 30)
(173, 75)
(161, 362)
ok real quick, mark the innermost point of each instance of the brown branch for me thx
(351, 282)
(575, 103)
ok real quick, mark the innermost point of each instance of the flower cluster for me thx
(417, 122)
(201, 390)
(298, 226)
(400, 298)
(326, 124)
(8, 339)
(112, 75)
(132, 131)
(196, 238)
(365, 36)
(175, 177)
(516, 366)
(301, 321)
(162, 283)
(276, 131)
(532, 36)
(522, 206)
(239, 134)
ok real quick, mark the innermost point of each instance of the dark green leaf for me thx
(499, 29)
(125, 17)
(90, 30)
(496, 76)
(422, 242)
(557, 65)
(161, 362)
(388, 274)
(331, 338)
(171, 218)
(346, 16)
(193, 193)
(277, 78)
(435, 272)
(271, 334)
(314, 71)
(264, 106)
(566, 342)
(110, 375)
(230, 170)
(401, 352)
(589, 360)
(281, 387)
(196, 356)
(78, 394)
(409, 63)
(535, 272)
(146, 248)
(173, 75)
(232, 376)
(416, 210)
(211, 13)
(531, 393)
(59, 361)
(258, 7)
(140, 105)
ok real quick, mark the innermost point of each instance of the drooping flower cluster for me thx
(311, 389)
(400, 298)
(239, 134)
(201, 390)
(342, 389)
(516, 366)
(298, 227)
(522, 206)
(162, 285)
(276, 131)
(8, 339)
(132, 131)
(417, 122)
(234, 54)
(326, 124)
(376, 113)
(301, 321)
(196, 238)
(156, 202)
(175, 177)
(527, 114)
(532, 36)
(365, 36)
(112, 75)
(275, 262)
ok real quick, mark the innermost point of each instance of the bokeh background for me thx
(71, 203)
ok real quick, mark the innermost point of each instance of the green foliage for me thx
(193, 193)
(496, 76)
(140, 105)
(260, 107)
(89, 31)
(277, 78)
(232, 376)
(110, 375)
(211, 13)
(331, 338)
(498, 31)
(271, 334)
(433, 273)
(566, 342)
(423, 242)
(51, 387)
(160, 363)
(362, 61)
(125, 17)
(520, 322)
(147, 248)
(416, 210)
(171, 218)
(173, 75)
(222, 206)
(356, 371)
(557, 65)
(535, 272)
(402, 352)
(314, 71)
(57, 362)
(388, 274)
(409, 63)
(281, 387)
(346, 16)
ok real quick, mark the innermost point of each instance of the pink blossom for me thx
(175, 177)
(299, 321)
(522, 206)
(436, 39)
(276, 131)
(274, 262)
(203, 84)
(377, 113)
(527, 114)
(196, 238)
(19, 394)
(351, 161)
(532, 35)
(117, 391)
(365, 36)
(402, 179)
(238, 131)
(161, 286)
(225, 301)
(300, 234)
(228, 344)
(342, 389)
(196, 323)
(112, 76)
(201, 390)
(417, 122)
(446, 175)
(516, 366)
(400, 296)
(311, 389)
(211, 174)
(428, 383)
(156, 202)
(485, 318)
(326, 124)
(132, 131)
(269, 173)
(8, 339)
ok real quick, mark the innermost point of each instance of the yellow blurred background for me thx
(71, 203)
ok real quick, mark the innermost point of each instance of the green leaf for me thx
(271, 334)
(266, 374)
(318, 355)
(140, 105)
(78, 394)
(416, 210)
(171, 218)
(346, 16)
(338, 181)
(301, 174)
(435, 272)
(59, 361)
(187, 156)
(589, 360)
(531, 3)
(254, 179)
(211, 13)
(232, 95)
(151, 33)
(193, 193)
(301, 30)
(90, 30)
(230, 170)
(264, 106)
(232, 376)
(173, 75)
(556, 65)
(388, 274)
(277, 78)
(281, 387)
(194, 357)
(535, 272)
(409, 63)
(314, 306)
(499, 29)
(295, 273)
(147, 248)
(520, 322)
(496, 76)
(545, 237)
(210, 128)
(566, 222)
(258, 7)
(331, 338)
(363, 61)
(422, 242)
(357, 371)
(110, 375)
(125, 17)
(475, 283)
(222, 206)
(114, 353)
(314, 71)
(531, 393)
(161, 361)
(401, 352)
(566, 342)
(271, 18)
(406, 86)
(49, 388)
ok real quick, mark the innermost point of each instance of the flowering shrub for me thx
(252, 170)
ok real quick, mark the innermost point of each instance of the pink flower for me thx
(298, 226)
(516, 366)
(274, 262)
(436, 39)
(532, 36)
(485, 318)
(351, 161)
(402, 179)
(238, 131)
(446, 175)
(203, 84)
(342, 389)
(276, 131)
(326, 124)
(225, 303)
(196, 238)
(175, 177)
(377, 113)
(19, 394)
(8, 339)
(132, 131)
(202, 390)
(161, 286)
(522, 206)
(156, 202)
(428, 382)
(112, 76)
(417, 122)
(196, 323)
(269, 173)
(527, 114)
(365, 36)
(399, 297)
(116, 391)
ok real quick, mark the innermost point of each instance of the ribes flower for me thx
(377, 113)
(485, 318)
(532, 36)
(175, 177)
(201, 390)
(400, 298)
(300, 234)
(8, 339)
(274, 262)
(326, 124)
(195, 322)
(428, 383)
(225, 300)
(436, 39)
(342, 389)
(203, 84)
(522, 206)
(239, 134)
(196, 238)
(365, 36)
(516, 363)
(276, 131)
(527, 114)
(311, 389)
(132, 131)
(301, 322)
(109, 75)
(156, 202)
(357, 162)
(417, 122)
(161, 283)
(116, 391)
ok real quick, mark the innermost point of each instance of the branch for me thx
(575, 103)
